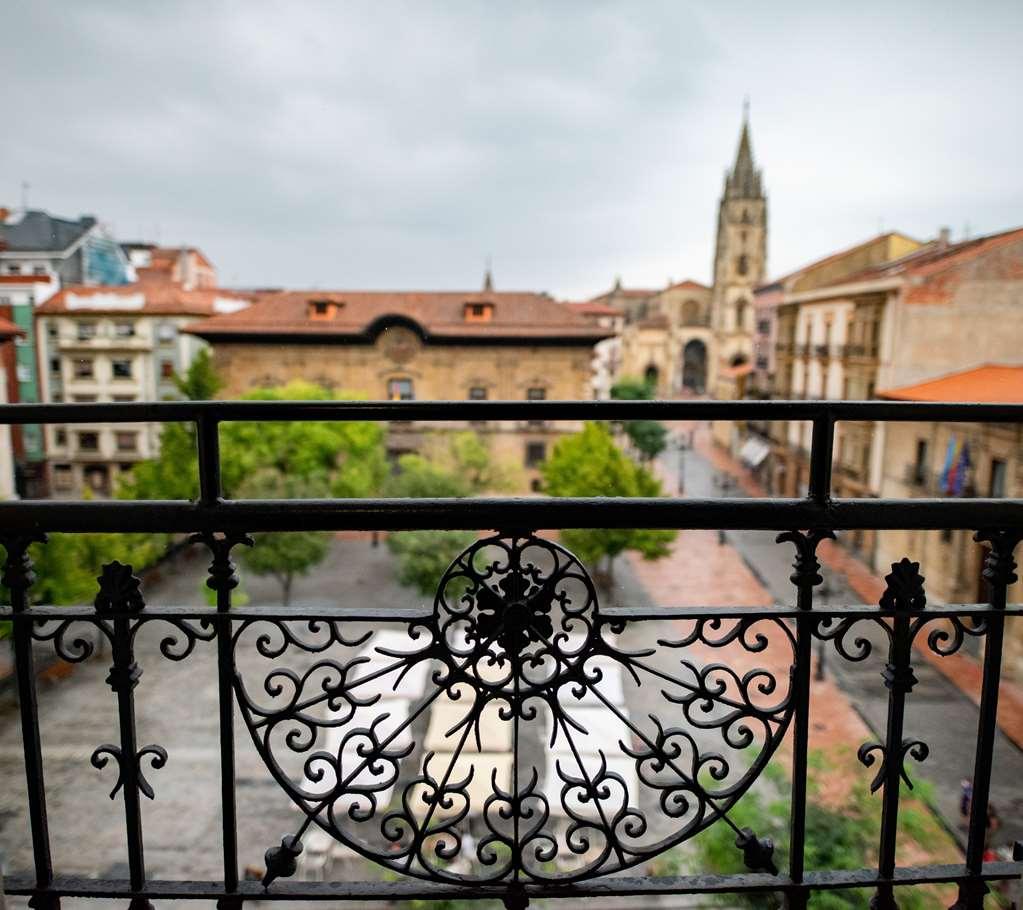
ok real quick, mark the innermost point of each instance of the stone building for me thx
(429, 345)
(946, 459)
(887, 313)
(115, 344)
(607, 354)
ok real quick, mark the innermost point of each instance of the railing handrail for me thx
(225, 411)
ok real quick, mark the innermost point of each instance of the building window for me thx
(996, 488)
(536, 453)
(477, 393)
(83, 399)
(13, 269)
(88, 441)
(479, 312)
(537, 393)
(86, 331)
(122, 399)
(400, 390)
(121, 369)
(126, 442)
(60, 437)
(165, 333)
(742, 264)
(740, 315)
(55, 366)
(166, 369)
(921, 462)
(124, 329)
(39, 270)
(63, 478)
(323, 309)
(52, 331)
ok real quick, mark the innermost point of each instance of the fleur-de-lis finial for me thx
(118, 590)
(905, 589)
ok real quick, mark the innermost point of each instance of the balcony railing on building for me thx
(517, 630)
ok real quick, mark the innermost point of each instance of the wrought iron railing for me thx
(516, 642)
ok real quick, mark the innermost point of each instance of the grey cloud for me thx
(398, 144)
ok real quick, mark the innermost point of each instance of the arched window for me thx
(740, 315)
(400, 390)
(742, 264)
(690, 313)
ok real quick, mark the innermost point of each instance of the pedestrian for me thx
(965, 798)
(993, 823)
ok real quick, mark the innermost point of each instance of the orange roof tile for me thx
(988, 384)
(590, 308)
(8, 329)
(438, 314)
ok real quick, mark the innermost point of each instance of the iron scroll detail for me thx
(490, 742)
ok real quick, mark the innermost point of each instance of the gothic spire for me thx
(743, 181)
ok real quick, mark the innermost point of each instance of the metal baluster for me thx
(120, 597)
(18, 578)
(999, 573)
(904, 594)
(805, 577)
(223, 580)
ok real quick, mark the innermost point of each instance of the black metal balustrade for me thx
(516, 632)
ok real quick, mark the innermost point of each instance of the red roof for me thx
(155, 299)
(591, 308)
(441, 314)
(8, 329)
(987, 384)
(931, 264)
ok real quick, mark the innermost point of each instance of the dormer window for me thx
(479, 312)
(323, 309)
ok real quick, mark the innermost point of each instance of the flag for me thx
(950, 460)
(962, 466)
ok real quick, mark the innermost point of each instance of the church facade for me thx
(690, 339)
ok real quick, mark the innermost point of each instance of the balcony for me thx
(517, 633)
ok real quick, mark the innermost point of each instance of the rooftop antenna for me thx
(25, 187)
(488, 276)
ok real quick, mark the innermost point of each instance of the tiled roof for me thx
(440, 314)
(8, 329)
(39, 231)
(592, 308)
(151, 299)
(989, 383)
(934, 258)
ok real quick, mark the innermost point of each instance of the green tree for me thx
(284, 555)
(422, 556)
(201, 381)
(348, 454)
(843, 836)
(590, 464)
(647, 436)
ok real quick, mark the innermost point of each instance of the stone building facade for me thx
(474, 346)
(944, 459)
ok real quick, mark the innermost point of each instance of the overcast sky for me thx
(394, 145)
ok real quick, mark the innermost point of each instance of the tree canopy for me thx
(590, 464)
(648, 437)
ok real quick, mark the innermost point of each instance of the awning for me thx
(753, 452)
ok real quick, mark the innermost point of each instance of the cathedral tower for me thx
(740, 264)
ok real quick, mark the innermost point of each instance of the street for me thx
(937, 712)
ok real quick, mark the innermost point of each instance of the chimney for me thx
(944, 237)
